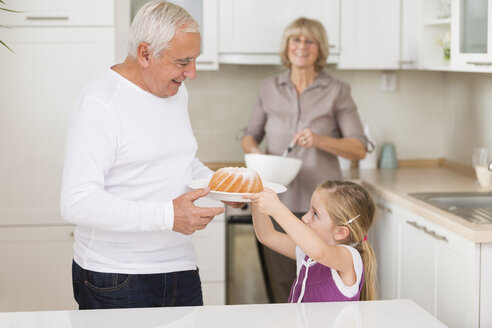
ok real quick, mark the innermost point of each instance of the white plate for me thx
(232, 196)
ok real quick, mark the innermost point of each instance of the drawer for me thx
(36, 268)
(59, 13)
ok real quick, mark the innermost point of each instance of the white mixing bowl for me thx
(271, 168)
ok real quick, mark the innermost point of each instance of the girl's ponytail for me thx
(368, 292)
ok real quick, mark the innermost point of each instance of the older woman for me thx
(307, 106)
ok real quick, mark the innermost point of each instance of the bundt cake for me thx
(236, 179)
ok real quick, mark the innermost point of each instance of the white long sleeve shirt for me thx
(128, 155)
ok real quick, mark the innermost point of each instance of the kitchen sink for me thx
(475, 207)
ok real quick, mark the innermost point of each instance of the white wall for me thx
(468, 108)
(411, 117)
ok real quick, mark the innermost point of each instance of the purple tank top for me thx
(320, 286)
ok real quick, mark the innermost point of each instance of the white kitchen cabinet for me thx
(35, 270)
(59, 13)
(434, 267)
(370, 34)
(443, 266)
(410, 38)
(436, 35)
(471, 30)
(40, 81)
(209, 244)
(384, 237)
(485, 285)
(457, 279)
(251, 30)
(417, 263)
(52, 60)
(457, 35)
(58, 47)
(380, 34)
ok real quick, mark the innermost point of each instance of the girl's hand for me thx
(305, 138)
(266, 202)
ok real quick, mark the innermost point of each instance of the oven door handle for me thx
(240, 219)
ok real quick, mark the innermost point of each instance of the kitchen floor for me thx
(245, 282)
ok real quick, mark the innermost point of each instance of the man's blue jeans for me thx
(97, 290)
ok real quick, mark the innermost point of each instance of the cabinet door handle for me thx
(438, 237)
(381, 207)
(384, 208)
(431, 233)
(45, 18)
(416, 225)
(480, 63)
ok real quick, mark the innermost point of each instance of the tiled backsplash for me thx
(414, 117)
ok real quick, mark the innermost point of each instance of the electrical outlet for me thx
(388, 81)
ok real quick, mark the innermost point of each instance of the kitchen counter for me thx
(381, 314)
(395, 185)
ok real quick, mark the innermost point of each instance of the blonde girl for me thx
(335, 262)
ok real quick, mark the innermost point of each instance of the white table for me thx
(381, 314)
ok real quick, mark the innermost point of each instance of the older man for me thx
(130, 152)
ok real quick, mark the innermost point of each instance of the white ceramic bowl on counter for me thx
(271, 168)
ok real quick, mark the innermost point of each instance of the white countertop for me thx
(381, 314)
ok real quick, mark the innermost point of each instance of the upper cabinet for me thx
(436, 34)
(410, 42)
(471, 28)
(380, 34)
(250, 31)
(370, 34)
(457, 35)
(59, 13)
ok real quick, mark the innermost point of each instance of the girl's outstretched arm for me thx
(338, 258)
(268, 236)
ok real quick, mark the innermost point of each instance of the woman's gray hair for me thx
(155, 24)
(311, 28)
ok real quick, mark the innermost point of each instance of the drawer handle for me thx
(416, 225)
(438, 237)
(406, 62)
(431, 233)
(46, 18)
(480, 63)
(384, 208)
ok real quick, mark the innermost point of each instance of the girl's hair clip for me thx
(352, 219)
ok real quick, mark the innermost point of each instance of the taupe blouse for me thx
(326, 107)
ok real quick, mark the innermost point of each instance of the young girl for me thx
(335, 262)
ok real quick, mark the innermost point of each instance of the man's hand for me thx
(189, 218)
